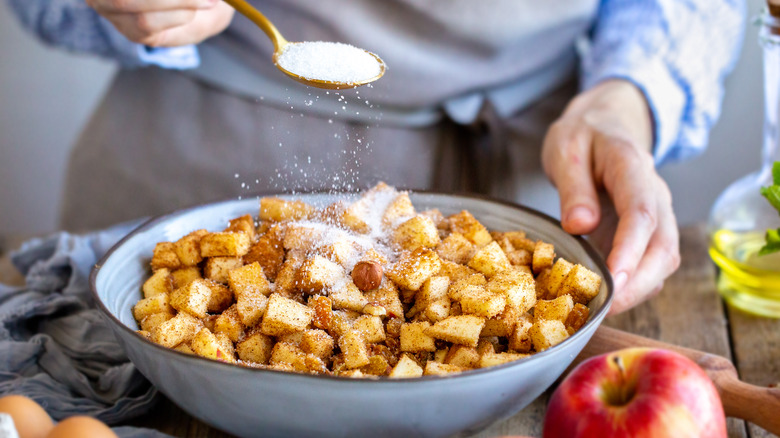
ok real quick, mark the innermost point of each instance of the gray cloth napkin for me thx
(56, 348)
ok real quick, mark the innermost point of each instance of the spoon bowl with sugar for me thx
(318, 64)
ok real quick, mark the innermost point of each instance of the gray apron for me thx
(469, 93)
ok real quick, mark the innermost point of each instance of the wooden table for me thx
(687, 312)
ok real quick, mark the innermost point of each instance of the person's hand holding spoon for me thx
(165, 23)
(171, 23)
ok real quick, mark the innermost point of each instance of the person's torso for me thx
(435, 50)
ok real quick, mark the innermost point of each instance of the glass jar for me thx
(740, 216)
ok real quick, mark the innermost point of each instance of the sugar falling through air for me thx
(339, 170)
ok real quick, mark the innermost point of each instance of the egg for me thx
(81, 427)
(30, 420)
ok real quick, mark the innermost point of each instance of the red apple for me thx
(636, 392)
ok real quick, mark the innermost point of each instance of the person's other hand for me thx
(166, 23)
(598, 156)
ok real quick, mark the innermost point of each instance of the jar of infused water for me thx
(741, 216)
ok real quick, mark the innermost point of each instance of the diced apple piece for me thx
(440, 369)
(456, 248)
(284, 315)
(159, 283)
(224, 244)
(188, 248)
(370, 328)
(354, 348)
(519, 288)
(255, 348)
(582, 284)
(462, 329)
(183, 276)
(228, 322)
(455, 271)
(465, 224)
(557, 309)
(413, 268)
(164, 256)
(399, 209)
(318, 343)
(405, 368)
(438, 310)
(318, 273)
(501, 325)
(192, 298)
(462, 356)
(551, 282)
(277, 209)
(520, 340)
(221, 297)
(490, 260)
(545, 334)
(151, 321)
(386, 296)
(243, 224)
(218, 268)
(249, 279)
(478, 301)
(148, 306)
(417, 232)
(544, 254)
(180, 328)
(268, 251)
(465, 285)
(492, 359)
(207, 345)
(348, 296)
(415, 339)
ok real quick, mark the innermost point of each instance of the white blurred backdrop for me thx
(46, 96)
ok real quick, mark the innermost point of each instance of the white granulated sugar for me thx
(325, 61)
(330, 235)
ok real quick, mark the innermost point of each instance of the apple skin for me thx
(636, 392)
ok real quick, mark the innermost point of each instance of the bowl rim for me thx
(151, 222)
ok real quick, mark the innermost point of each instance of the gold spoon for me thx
(280, 43)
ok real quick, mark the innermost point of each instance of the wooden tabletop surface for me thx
(687, 312)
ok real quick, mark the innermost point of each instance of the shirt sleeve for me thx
(678, 53)
(74, 26)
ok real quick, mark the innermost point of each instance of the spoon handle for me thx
(758, 405)
(260, 20)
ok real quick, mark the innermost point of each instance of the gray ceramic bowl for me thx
(253, 402)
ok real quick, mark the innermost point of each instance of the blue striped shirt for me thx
(677, 52)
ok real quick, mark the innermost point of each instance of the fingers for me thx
(567, 160)
(144, 28)
(206, 24)
(623, 302)
(630, 179)
(145, 6)
(173, 28)
(165, 23)
(601, 144)
(660, 260)
(645, 246)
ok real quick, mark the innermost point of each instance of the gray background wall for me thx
(46, 96)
